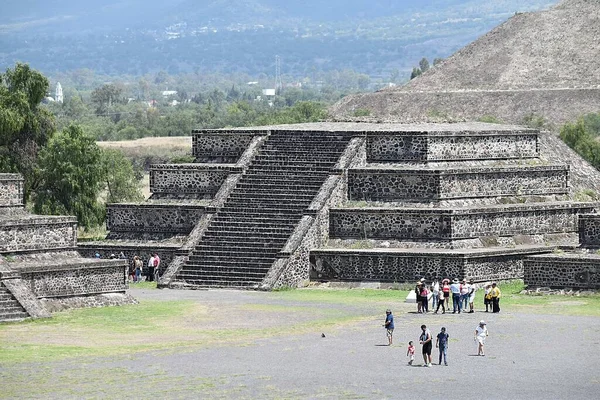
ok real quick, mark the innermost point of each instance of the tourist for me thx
(410, 352)
(446, 290)
(424, 298)
(425, 340)
(441, 300)
(472, 290)
(442, 343)
(495, 294)
(97, 255)
(435, 289)
(481, 333)
(138, 265)
(389, 325)
(455, 289)
(465, 288)
(150, 272)
(418, 297)
(487, 299)
(156, 267)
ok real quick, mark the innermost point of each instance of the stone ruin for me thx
(280, 206)
(40, 269)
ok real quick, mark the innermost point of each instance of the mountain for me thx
(116, 37)
(545, 63)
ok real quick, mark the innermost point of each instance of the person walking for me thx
(150, 272)
(441, 342)
(410, 352)
(495, 293)
(455, 289)
(481, 333)
(425, 340)
(389, 325)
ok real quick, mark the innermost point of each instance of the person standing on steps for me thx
(425, 340)
(481, 333)
(495, 293)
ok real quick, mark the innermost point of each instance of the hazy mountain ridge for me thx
(373, 37)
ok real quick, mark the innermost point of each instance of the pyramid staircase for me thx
(247, 233)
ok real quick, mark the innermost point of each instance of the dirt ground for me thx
(528, 356)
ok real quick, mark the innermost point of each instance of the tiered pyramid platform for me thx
(276, 206)
(39, 267)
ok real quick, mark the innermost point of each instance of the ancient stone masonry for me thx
(275, 206)
(37, 260)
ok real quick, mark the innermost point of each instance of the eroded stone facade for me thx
(563, 270)
(220, 146)
(198, 179)
(152, 217)
(38, 234)
(11, 189)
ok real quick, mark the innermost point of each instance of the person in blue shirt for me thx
(442, 343)
(389, 325)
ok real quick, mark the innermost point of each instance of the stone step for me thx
(229, 274)
(13, 316)
(277, 190)
(241, 224)
(226, 244)
(245, 237)
(228, 230)
(280, 198)
(202, 250)
(270, 161)
(267, 185)
(236, 256)
(217, 283)
(230, 264)
(253, 220)
(234, 209)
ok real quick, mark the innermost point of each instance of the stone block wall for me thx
(11, 190)
(373, 184)
(449, 224)
(407, 266)
(216, 146)
(563, 271)
(153, 217)
(38, 233)
(130, 250)
(189, 178)
(589, 230)
(69, 280)
(452, 146)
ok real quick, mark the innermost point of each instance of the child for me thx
(389, 325)
(410, 352)
(442, 343)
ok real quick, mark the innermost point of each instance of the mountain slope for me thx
(545, 63)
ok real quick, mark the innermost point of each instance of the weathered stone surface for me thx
(377, 184)
(449, 224)
(153, 217)
(221, 146)
(589, 230)
(200, 179)
(11, 189)
(37, 233)
(560, 270)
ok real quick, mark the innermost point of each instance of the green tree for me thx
(25, 126)
(415, 72)
(122, 182)
(105, 96)
(71, 177)
(424, 64)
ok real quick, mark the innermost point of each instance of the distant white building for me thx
(167, 93)
(59, 94)
(268, 92)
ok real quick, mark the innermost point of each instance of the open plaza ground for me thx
(269, 345)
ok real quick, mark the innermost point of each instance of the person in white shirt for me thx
(472, 291)
(455, 289)
(481, 333)
(150, 273)
(465, 288)
(435, 288)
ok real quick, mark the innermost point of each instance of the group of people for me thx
(137, 268)
(441, 341)
(462, 294)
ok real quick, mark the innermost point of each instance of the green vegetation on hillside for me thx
(582, 136)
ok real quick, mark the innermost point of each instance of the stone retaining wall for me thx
(11, 189)
(198, 179)
(215, 146)
(563, 271)
(373, 184)
(451, 146)
(408, 266)
(589, 230)
(450, 224)
(38, 233)
(153, 217)
(82, 279)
